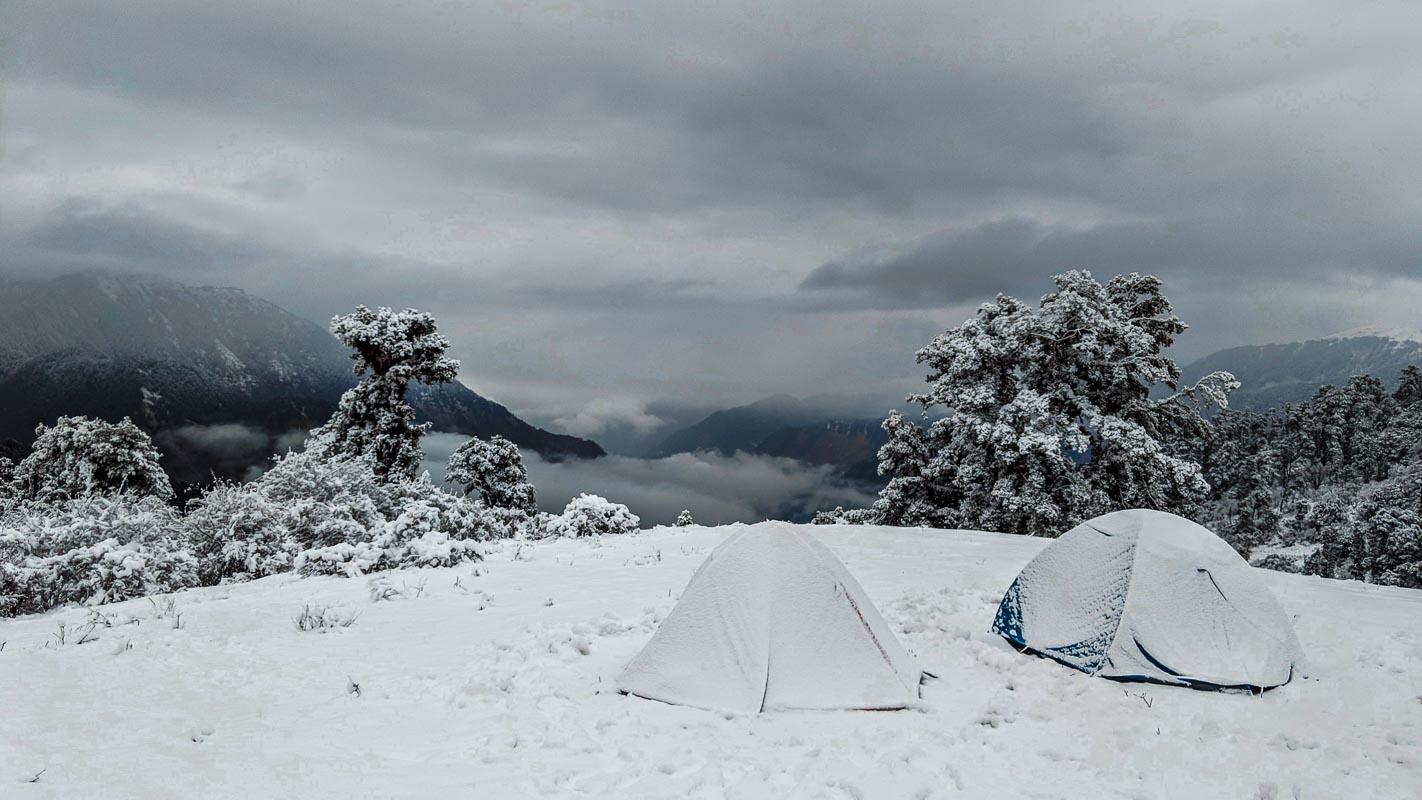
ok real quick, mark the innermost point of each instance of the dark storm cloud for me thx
(609, 203)
(85, 233)
(1019, 256)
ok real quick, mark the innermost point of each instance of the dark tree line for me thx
(1336, 480)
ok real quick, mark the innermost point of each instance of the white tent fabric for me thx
(1146, 595)
(773, 621)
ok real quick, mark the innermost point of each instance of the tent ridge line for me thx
(1125, 598)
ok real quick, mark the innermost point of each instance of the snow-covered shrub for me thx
(326, 500)
(81, 457)
(1279, 562)
(460, 517)
(507, 523)
(493, 470)
(684, 518)
(90, 550)
(540, 526)
(323, 618)
(840, 516)
(237, 533)
(334, 515)
(591, 515)
(422, 535)
(427, 527)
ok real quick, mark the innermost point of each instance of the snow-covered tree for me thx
(7, 482)
(684, 518)
(493, 470)
(392, 348)
(1050, 418)
(82, 457)
(1377, 539)
(591, 515)
(1256, 517)
(908, 499)
(1409, 388)
(1401, 441)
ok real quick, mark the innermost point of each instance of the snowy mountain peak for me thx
(1398, 334)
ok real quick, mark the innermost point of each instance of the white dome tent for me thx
(773, 621)
(1148, 596)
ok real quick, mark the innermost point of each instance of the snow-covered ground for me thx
(498, 687)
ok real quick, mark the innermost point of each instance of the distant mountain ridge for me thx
(851, 445)
(741, 428)
(1275, 374)
(175, 357)
(842, 443)
(823, 430)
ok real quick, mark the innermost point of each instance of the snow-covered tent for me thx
(771, 621)
(1148, 596)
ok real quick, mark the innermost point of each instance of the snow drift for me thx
(1148, 596)
(772, 621)
(494, 679)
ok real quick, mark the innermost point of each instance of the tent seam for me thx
(1125, 598)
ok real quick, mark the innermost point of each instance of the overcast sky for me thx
(612, 204)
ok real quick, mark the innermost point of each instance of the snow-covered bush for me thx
(507, 523)
(591, 515)
(460, 517)
(326, 500)
(82, 457)
(237, 533)
(840, 516)
(90, 550)
(493, 470)
(1279, 562)
(684, 518)
(321, 618)
(428, 532)
(333, 515)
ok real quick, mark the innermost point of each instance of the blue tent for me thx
(1148, 596)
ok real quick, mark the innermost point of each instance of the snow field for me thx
(499, 686)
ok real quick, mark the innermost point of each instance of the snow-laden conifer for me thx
(492, 470)
(1049, 414)
(392, 348)
(83, 457)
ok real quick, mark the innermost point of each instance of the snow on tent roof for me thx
(1149, 596)
(773, 621)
